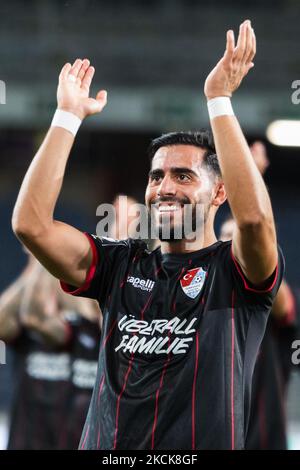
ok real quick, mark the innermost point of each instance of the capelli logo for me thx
(2, 92)
(296, 353)
(142, 284)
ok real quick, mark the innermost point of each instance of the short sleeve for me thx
(108, 254)
(263, 294)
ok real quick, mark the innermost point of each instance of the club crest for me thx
(192, 282)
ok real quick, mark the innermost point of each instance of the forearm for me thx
(62, 249)
(40, 189)
(39, 310)
(254, 239)
(10, 302)
(9, 322)
(246, 191)
(53, 329)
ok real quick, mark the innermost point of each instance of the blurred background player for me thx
(125, 215)
(85, 324)
(48, 338)
(124, 226)
(267, 424)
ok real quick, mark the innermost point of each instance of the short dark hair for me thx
(201, 139)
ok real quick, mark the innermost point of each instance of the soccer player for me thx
(85, 342)
(55, 356)
(41, 360)
(124, 208)
(267, 422)
(181, 325)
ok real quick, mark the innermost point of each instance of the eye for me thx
(183, 177)
(155, 178)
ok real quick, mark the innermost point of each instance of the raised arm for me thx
(61, 248)
(254, 240)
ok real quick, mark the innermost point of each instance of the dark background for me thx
(153, 57)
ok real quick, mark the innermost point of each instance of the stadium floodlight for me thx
(284, 133)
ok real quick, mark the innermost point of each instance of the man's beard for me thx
(188, 226)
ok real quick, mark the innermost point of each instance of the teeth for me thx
(168, 208)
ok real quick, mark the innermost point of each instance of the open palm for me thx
(236, 62)
(74, 89)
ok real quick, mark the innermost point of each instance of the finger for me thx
(241, 43)
(87, 79)
(248, 67)
(253, 47)
(100, 101)
(65, 71)
(102, 97)
(75, 68)
(259, 146)
(96, 105)
(254, 42)
(85, 65)
(248, 56)
(228, 55)
(248, 47)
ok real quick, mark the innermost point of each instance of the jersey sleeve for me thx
(263, 294)
(108, 255)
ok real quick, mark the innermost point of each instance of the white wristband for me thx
(68, 121)
(220, 106)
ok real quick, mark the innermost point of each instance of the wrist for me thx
(67, 120)
(69, 109)
(212, 96)
(219, 106)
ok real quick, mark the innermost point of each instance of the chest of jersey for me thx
(158, 311)
(163, 291)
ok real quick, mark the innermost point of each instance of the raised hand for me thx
(236, 62)
(74, 88)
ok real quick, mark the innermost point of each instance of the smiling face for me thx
(178, 178)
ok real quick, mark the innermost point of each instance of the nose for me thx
(167, 187)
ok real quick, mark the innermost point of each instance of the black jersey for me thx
(42, 389)
(179, 342)
(267, 425)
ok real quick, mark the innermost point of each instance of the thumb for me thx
(249, 66)
(101, 97)
(96, 105)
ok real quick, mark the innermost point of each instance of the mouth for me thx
(164, 207)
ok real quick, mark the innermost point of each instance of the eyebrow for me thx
(174, 171)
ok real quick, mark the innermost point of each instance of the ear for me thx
(219, 194)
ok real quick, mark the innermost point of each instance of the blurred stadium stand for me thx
(152, 56)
